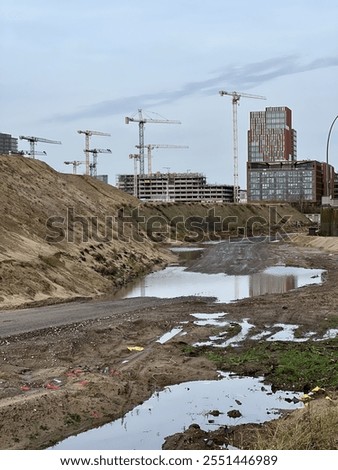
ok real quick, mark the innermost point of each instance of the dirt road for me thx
(67, 368)
(16, 322)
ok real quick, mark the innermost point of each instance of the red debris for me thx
(83, 382)
(50, 386)
(74, 373)
(70, 374)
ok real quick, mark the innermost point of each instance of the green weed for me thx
(284, 364)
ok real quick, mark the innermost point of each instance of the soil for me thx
(66, 237)
(71, 367)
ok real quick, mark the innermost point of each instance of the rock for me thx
(234, 414)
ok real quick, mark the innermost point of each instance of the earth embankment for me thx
(65, 237)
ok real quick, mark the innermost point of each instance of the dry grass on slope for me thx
(315, 427)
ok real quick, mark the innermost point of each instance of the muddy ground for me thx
(58, 381)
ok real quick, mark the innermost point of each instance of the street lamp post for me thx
(327, 157)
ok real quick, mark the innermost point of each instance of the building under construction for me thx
(8, 144)
(174, 187)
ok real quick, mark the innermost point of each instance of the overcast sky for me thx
(71, 65)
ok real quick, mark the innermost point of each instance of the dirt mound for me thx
(66, 236)
(59, 236)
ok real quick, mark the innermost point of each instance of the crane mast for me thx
(142, 121)
(88, 134)
(151, 147)
(235, 102)
(75, 164)
(136, 157)
(33, 140)
(93, 166)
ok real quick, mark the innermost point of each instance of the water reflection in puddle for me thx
(176, 407)
(175, 281)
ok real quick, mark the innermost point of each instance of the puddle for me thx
(185, 249)
(331, 333)
(303, 276)
(169, 335)
(177, 407)
(175, 281)
(218, 340)
(261, 335)
(241, 336)
(209, 319)
(286, 332)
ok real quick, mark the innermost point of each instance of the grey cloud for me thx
(239, 78)
(251, 75)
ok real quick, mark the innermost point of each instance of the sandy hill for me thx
(36, 261)
(60, 234)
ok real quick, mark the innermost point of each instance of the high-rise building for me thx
(271, 137)
(8, 144)
(273, 172)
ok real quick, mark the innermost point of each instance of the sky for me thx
(70, 65)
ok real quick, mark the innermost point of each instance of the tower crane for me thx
(142, 121)
(88, 134)
(75, 164)
(33, 140)
(93, 166)
(136, 157)
(151, 147)
(235, 102)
